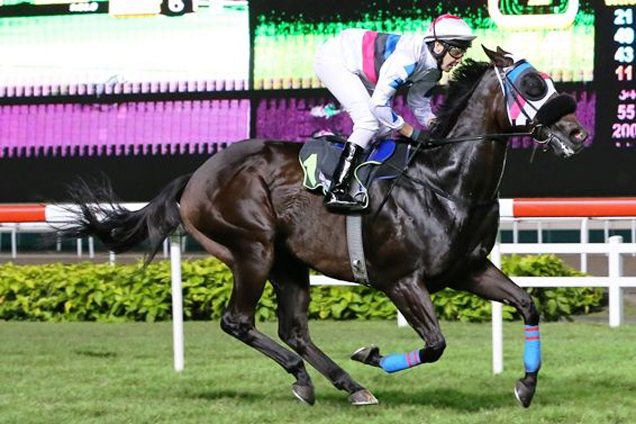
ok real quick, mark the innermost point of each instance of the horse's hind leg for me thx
(250, 274)
(490, 283)
(290, 278)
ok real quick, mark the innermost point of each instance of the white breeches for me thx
(349, 90)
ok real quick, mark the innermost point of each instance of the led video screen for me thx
(51, 47)
(562, 47)
(109, 83)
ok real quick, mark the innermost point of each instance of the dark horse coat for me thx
(246, 205)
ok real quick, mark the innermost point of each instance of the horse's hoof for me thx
(368, 355)
(304, 392)
(362, 397)
(524, 393)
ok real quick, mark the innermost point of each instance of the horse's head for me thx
(533, 104)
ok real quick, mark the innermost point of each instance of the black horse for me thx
(246, 205)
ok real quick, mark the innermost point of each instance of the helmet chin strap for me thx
(439, 57)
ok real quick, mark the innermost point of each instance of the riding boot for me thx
(338, 197)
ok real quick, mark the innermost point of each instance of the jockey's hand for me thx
(419, 136)
(431, 123)
(406, 130)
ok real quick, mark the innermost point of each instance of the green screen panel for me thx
(287, 38)
(58, 51)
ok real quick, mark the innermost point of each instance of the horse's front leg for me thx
(413, 300)
(490, 283)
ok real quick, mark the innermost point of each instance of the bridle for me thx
(540, 133)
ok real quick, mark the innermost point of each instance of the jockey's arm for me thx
(394, 73)
(420, 102)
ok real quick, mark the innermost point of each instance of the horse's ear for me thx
(502, 51)
(498, 58)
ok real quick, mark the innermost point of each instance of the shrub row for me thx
(89, 292)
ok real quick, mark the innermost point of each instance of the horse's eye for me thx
(533, 86)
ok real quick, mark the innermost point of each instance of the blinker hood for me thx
(555, 109)
(525, 90)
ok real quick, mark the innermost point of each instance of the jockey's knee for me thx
(362, 136)
(384, 131)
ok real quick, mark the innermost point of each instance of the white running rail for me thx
(615, 281)
(37, 218)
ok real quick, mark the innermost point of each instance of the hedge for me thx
(100, 292)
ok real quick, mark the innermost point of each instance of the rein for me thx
(435, 142)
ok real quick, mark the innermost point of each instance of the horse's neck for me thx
(469, 170)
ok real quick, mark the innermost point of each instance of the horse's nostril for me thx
(578, 135)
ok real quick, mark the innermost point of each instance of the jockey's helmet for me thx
(451, 30)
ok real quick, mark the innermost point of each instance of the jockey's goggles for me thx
(455, 51)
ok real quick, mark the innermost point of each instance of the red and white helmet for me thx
(450, 29)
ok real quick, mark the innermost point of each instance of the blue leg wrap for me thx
(532, 351)
(400, 361)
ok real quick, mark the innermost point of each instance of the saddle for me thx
(381, 161)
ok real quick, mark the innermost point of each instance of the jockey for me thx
(363, 70)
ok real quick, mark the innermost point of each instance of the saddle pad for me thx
(382, 161)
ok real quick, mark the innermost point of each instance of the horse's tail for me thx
(98, 213)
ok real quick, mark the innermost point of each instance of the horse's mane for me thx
(460, 88)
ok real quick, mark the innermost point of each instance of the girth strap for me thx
(356, 249)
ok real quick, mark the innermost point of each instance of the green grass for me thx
(122, 373)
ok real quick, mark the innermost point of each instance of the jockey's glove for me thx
(420, 136)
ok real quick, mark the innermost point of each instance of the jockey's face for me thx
(449, 60)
